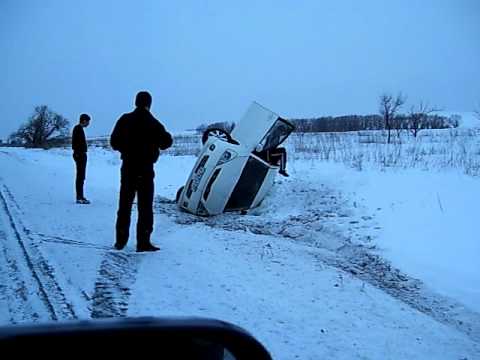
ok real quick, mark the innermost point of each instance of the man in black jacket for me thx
(79, 146)
(139, 137)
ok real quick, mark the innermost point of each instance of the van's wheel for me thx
(216, 132)
(179, 192)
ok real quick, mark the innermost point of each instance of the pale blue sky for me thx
(205, 61)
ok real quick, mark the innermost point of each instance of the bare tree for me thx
(418, 117)
(389, 107)
(42, 126)
(477, 111)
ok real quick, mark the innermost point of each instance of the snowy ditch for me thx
(344, 234)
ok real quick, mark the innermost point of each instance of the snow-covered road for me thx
(301, 273)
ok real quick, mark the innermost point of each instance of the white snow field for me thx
(336, 263)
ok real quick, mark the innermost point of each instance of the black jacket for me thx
(139, 137)
(79, 143)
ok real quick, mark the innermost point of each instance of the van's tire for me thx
(218, 133)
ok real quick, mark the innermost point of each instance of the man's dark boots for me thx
(122, 239)
(144, 244)
(148, 247)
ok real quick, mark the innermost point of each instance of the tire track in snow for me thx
(29, 267)
(115, 278)
(17, 305)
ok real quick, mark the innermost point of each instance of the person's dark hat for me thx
(143, 99)
(84, 117)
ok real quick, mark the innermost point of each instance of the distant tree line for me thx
(418, 118)
(372, 122)
(338, 123)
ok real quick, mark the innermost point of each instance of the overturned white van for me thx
(228, 175)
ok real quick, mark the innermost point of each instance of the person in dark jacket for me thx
(139, 137)
(79, 146)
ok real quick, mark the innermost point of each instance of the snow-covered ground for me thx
(336, 263)
(430, 227)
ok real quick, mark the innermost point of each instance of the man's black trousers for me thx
(135, 180)
(81, 164)
(278, 155)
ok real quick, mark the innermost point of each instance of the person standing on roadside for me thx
(139, 137)
(79, 147)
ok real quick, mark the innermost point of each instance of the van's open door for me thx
(254, 125)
